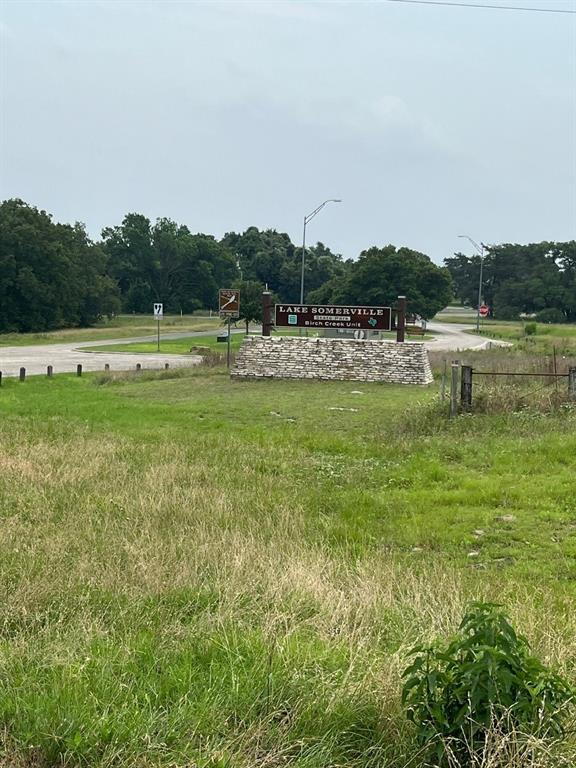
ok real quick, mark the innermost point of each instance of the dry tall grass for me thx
(100, 531)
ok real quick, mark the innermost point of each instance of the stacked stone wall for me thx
(294, 357)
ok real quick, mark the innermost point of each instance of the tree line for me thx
(537, 280)
(53, 275)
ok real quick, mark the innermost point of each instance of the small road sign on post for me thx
(484, 310)
(229, 307)
(158, 314)
(229, 302)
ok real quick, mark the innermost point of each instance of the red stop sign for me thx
(484, 310)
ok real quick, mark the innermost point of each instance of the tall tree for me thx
(534, 279)
(53, 276)
(166, 262)
(250, 301)
(380, 275)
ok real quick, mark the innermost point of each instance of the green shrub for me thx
(530, 329)
(551, 315)
(485, 681)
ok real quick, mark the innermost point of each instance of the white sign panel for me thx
(158, 311)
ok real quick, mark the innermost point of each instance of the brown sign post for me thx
(401, 319)
(266, 313)
(333, 316)
(229, 307)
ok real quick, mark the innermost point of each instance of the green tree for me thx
(250, 301)
(53, 276)
(380, 275)
(518, 279)
(269, 257)
(166, 262)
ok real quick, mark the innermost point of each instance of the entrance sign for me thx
(484, 310)
(333, 316)
(229, 302)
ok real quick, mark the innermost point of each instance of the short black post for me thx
(138, 367)
(572, 383)
(166, 366)
(0, 378)
(454, 388)
(401, 319)
(466, 388)
(22, 374)
(79, 369)
(266, 313)
(49, 371)
(106, 367)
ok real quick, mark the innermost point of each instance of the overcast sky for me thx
(428, 121)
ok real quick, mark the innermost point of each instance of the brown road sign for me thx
(332, 316)
(229, 302)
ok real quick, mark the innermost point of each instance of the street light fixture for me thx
(308, 218)
(480, 248)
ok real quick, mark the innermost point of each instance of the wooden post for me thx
(0, 378)
(572, 382)
(138, 367)
(466, 388)
(22, 374)
(106, 367)
(266, 313)
(166, 366)
(401, 319)
(443, 384)
(79, 369)
(49, 371)
(454, 389)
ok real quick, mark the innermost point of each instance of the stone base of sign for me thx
(294, 357)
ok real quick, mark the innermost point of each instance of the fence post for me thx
(49, 371)
(401, 319)
(166, 366)
(79, 369)
(0, 378)
(572, 382)
(266, 313)
(22, 374)
(106, 367)
(138, 367)
(466, 388)
(454, 389)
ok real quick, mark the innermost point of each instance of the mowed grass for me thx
(549, 338)
(121, 326)
(205, 573)
(209, 344)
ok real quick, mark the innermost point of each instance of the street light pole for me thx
(308, 218)
(480, 249)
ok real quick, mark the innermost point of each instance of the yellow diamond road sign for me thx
(229, 302)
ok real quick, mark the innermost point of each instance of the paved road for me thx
(65, 357)
(453, 337)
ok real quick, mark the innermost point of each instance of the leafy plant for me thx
(530, 329)
(485, 679)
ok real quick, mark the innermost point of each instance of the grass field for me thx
(122, 326)
(203, 345)
(205, 574)
(548, 337)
